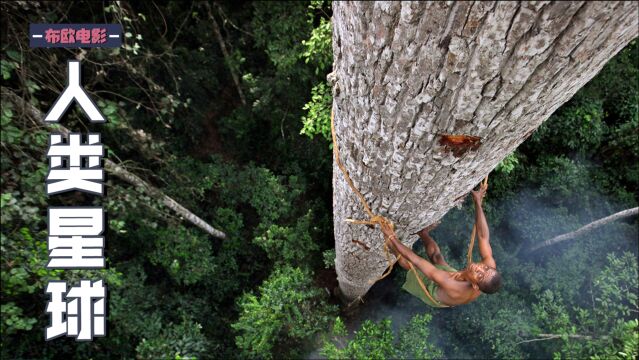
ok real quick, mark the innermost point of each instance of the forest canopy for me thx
(225, 108)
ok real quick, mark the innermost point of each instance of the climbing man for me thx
(447, 286)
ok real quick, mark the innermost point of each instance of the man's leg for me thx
(432, 250)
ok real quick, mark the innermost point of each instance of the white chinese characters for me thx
(74, 91)
(75, 238)
(80, 312)
(83, 171)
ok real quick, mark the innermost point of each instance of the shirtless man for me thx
(446, 285)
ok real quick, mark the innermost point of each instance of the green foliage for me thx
(628, 335)
(285, 314)
(277, 32)
(617, 286)
(13, 319)
(168, 93)
(551, 313)
(268, 199)
(371, 341)
(560, 177)
(329, 258)
(502, 329)
(9, 64)
(317, 121)
(180, 341)
(621, 151)
(318, 47)
(319, 53)
(184, 253)
(289, 245)
(597, 124)
(6, 67)
(601, 326)
(579, 126)
(508, 164)
(375, 340)
(415, 341)
(235, 187)
(10, 133)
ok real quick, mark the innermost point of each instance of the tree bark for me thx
(584, 229)
(121, 172)
(407, 72)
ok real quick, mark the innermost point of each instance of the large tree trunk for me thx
(407, 72)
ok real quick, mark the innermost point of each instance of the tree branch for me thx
(544, 337)
(584, 229)
(227, 57)
(119, 171)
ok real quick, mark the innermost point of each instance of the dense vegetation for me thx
(258, 166)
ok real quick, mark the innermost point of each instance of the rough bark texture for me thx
(406, 72)
(586, 228)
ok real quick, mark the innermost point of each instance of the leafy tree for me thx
(371, 341)
(375, 340)
(289, 245)
(318, 119)
(319, 52)
(184, 341)
(605, 324)
(286, 314)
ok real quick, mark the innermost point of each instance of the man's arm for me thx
(483, 234)
(433, 273)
